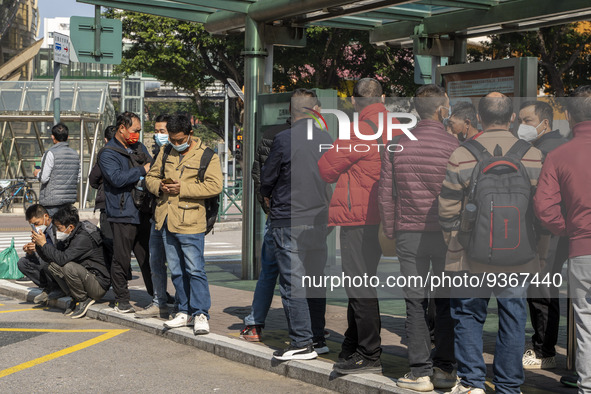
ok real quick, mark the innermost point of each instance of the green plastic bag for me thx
(8, 266)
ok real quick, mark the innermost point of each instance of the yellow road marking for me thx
(1, 304)
(54, 330)
(108, 334)
(24, 310)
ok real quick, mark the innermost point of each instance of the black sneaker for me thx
(81, 308)
(124, 307)
(570, 380)
(296, 353)
(344, 355)
(70, 309)
(357, 364)
(320, 347)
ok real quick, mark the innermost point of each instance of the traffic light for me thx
(238, 150)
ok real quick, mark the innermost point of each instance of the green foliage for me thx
(334, 55)
(182, 54)
(563, 52)
(209, 135)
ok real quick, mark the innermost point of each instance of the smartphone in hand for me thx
(167, 181)
(33, 227)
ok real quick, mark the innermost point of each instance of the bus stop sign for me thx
(82, 36)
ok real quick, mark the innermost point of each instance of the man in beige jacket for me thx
(180, 214)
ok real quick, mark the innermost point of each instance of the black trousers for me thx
(544, 305)
(107, 239)
(36, 270)
(418, 252)
(127, 238)
(360, 254)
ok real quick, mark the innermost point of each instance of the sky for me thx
(62, 8)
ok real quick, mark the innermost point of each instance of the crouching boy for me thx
(76, 261)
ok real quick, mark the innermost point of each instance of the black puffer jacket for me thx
(83, 246)
(261, 156)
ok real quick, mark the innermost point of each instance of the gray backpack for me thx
(501, 229)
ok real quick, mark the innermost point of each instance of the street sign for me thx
(82, 31)
(61, 48)
(235, 90)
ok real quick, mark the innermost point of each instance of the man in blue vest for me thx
(59, 172)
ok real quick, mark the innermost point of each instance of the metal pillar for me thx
(81, 179)
(460, 50)
(225, 152)
(57, 76)
(254, 53)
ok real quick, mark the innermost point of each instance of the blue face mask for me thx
(161, 139)
(182, 147)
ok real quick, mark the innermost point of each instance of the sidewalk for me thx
(231, 299)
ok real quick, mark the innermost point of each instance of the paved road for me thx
(105, 358)
(221, 243)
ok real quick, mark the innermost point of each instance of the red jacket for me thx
(562, 201)
(355, 198)
(419, 172)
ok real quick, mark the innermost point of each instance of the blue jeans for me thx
(263, 294)
(184, 253)
(158, 266)
(469, 315)
(300, 251)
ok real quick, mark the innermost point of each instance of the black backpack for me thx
(502, 226)
(212, 204)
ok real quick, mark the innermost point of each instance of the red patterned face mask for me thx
(132, 139)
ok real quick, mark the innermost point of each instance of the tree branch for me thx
(574, 55)
(210, 67)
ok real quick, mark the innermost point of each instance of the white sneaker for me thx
(461, 389)
(531, 361)
(180, 320)
(201, 325)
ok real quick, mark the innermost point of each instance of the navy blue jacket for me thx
(119, 178)
(290, 177)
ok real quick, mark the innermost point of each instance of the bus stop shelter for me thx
(26, 118)
(431, 27)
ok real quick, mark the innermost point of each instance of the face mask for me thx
(133, 138)
(161, 139)
(61, 236)
(41, 229)
(528, 133)
(182, 147)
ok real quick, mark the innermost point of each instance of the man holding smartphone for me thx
(180, 215)
(31, 265)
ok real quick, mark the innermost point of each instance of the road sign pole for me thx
(97, 31)
(226, 132)
(57, 73)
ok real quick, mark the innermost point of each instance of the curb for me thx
(316, 372)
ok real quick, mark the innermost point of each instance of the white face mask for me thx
(61, 236)
(527, 132)
(41, 229)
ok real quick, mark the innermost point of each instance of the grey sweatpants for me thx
(579, 277)
(80, 283)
